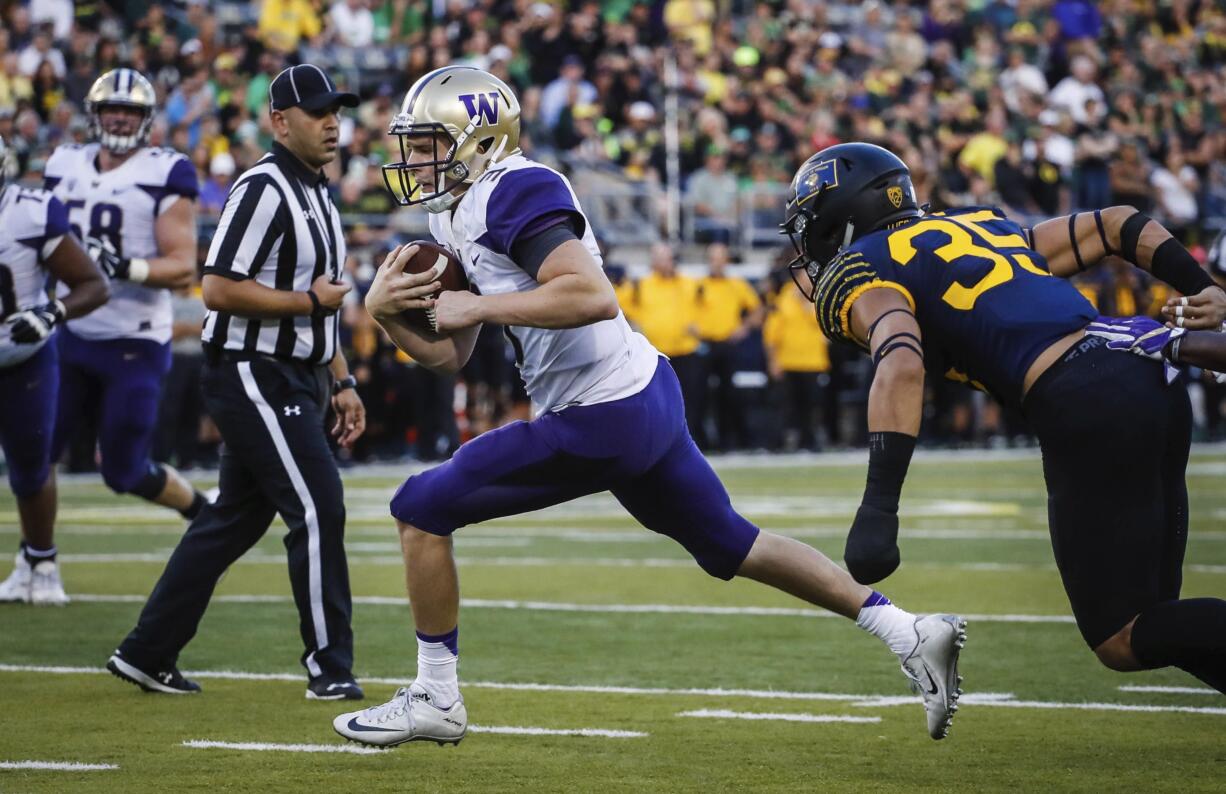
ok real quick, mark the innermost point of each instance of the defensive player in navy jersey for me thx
(35, 243)
(134, 205)
(969, 295)
(608, 408)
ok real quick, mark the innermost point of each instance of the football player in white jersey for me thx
(34, 243)
(608, 408)
(134, 205)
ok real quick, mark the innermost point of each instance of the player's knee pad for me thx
(146, 481)
(417, 504)
(721, 544)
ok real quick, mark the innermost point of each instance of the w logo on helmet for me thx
(894, 194)
(483, 106)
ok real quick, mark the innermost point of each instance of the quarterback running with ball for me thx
(607, 406)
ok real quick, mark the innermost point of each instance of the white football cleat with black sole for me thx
(46, 589)
(932, 667)
(16, 588)
(410, 716)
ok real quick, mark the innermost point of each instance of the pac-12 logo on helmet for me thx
(121, 88)
(453, 124)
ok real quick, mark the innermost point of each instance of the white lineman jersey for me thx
(121, 207)
(596, 363)
(32, 224)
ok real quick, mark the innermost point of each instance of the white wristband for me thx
(138, 270)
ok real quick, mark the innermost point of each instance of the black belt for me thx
(1083, 346)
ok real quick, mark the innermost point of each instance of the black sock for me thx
(35, 556)
(193, 510)
(1189, 634)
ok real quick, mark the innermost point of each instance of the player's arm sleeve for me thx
(53, 171)
(845, 280)
(250, 231)
(531, 203)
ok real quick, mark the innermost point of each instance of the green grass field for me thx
(620, 633)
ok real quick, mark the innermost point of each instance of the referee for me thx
(272, 286)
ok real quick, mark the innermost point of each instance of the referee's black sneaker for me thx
(334, 687)
(169, 681)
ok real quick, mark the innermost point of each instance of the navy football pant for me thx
(121, 381)
(27, 418)
(276, 459)
(1115, 442)
(637, 447)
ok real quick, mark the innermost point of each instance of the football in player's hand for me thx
(448, 272)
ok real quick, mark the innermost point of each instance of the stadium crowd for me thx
(1037, 106)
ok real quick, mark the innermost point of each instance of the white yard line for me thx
(725, 714)
(352, 749)
(519, 730)
(561, 606)
(1170, 690)
(982, 699)
(56, 766)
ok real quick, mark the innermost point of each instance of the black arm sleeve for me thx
(530, 251)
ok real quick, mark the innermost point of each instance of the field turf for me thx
(616, 631)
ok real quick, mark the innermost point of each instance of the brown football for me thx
(450, 273)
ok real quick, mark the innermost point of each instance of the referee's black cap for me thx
(306, 86)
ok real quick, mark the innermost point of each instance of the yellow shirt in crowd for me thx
(722, 305)
(665, 310)
(284, 22)
(792, 334)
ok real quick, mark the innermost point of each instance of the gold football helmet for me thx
(126, 87)
(466, 118)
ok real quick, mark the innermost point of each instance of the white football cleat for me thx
(932, 667)
(410, 716)
(46, 589)
(16, 588)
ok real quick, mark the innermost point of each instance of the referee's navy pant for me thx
(276, 459)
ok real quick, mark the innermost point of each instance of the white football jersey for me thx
(596, 363)
(32, 224)
(122, 206)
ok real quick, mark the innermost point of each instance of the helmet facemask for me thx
(120, 143)
(449, 168)
(816, 242)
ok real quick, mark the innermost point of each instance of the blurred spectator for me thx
(213, 191)
(664, 306)
(728, 310)
(191, 104)
(353, 23)
(712, 196)
(284, 22)
(40, 51)
(1074, 93)
(1175, 186)
(569, 89)
(799, 365)
(57, 13)
(1129, 176)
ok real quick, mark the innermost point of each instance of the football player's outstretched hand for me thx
(1139, 335)
(1204, 311)
(871, 552)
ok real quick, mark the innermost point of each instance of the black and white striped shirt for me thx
(279, 227)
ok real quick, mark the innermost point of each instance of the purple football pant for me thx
(27, 418)
(638, 448)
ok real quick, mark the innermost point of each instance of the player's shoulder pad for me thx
(517, 196)
(844, 280)
(63, 161)
(33, 215)
(171, 170)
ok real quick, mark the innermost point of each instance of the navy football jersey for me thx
(985, 302)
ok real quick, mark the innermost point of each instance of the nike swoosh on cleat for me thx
(354, 726)
(934, 689)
